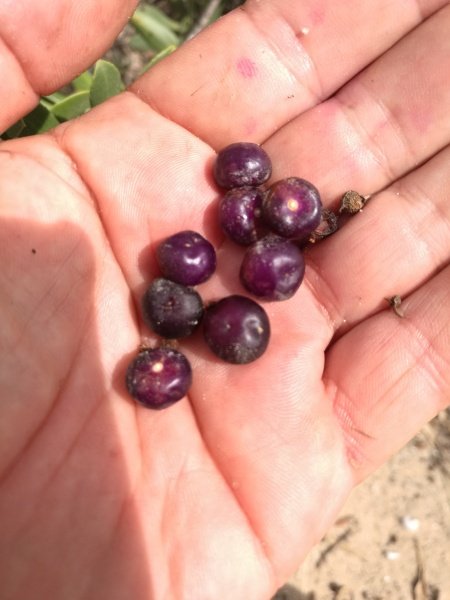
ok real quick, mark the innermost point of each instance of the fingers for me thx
(391, 117)
(399, 240)
(263, 64)
(159, 169)
(382, 402)
(24, 99)
(382, 124)
(43, 46)
(149, 177)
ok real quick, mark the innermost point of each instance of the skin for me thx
(229, 488)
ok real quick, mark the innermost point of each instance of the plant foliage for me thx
(159, 28)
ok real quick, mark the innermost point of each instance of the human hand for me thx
(222, 494)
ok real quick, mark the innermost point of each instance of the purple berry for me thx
(159, 377)
(242, 163)
(272, 268)
(292, 208)
(186, 258)
(236, 329)
(240, 214)
(170, 309)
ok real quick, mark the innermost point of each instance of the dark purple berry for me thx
(186, 258)
(273, 268)
(237, 329)
(242, 163)
(170, 309)
(240, 214)
(159, 377)
(292, 208)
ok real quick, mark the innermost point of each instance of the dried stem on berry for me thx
(328, 225)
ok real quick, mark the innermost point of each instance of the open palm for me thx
(221, 495)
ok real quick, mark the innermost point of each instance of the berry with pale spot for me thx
(292, 208)
(159, 377)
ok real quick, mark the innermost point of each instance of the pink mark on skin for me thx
(247, 68)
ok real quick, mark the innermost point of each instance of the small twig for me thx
(419, 584)
(204, 19)
(341, 538)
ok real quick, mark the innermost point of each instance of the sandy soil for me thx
(392, 539)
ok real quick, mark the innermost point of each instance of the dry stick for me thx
(204, 18)
(419, 584)
(341, 538)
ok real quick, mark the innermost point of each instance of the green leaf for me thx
(72, 106)
(14, 131)
(52, 99)
(158, 16)
(83, 82)
(106, 82)
(38, 120)
(138, 43)
(157, 34)
(158, 57)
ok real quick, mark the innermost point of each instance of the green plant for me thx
(158, 29)
(88, 90)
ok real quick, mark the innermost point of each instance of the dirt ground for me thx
(392, 539)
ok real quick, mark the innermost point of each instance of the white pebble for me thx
(410, 523)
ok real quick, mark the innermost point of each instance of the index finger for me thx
(263, 64)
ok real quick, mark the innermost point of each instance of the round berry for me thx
(186, 258)
(236, 329)
(242, 163)
(158, 377)
(240, 214)
(292, 208)
(272, 268)
(170, 309)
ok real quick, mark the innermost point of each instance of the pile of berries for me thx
(273, 224)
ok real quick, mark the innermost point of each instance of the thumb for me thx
(45, 45)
